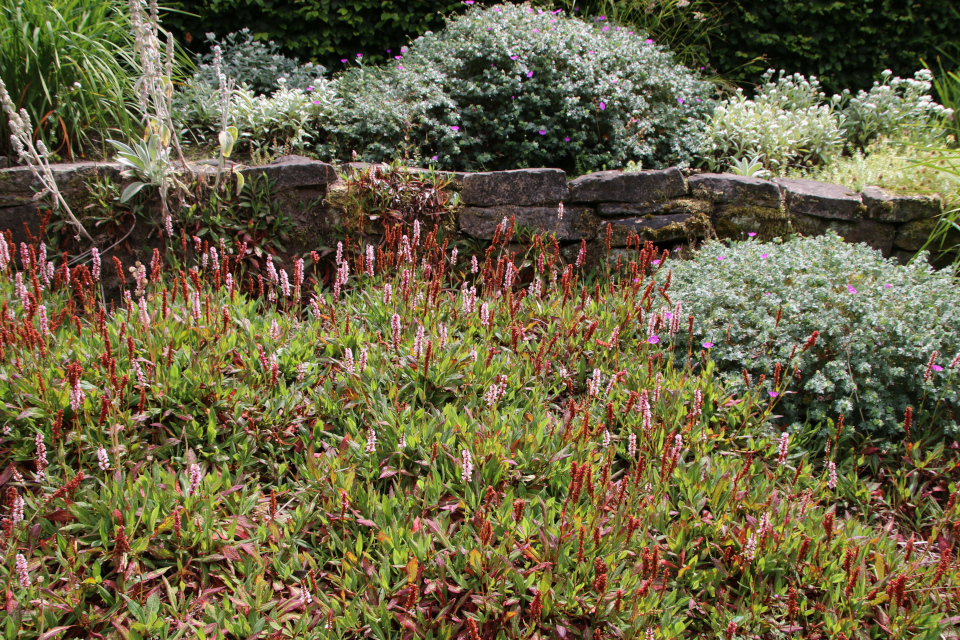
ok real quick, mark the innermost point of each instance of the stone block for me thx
(18, 184)
(519, 187)
(668, 228)
(886, 206)
(578, 222)
(294, 171)
(617, 186)
(820, 199)
(13, 218)
(723, 188)
(636, 210)
(874, 234)
(913, 235)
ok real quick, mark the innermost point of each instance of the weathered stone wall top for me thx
(618, 186)
(521, 187)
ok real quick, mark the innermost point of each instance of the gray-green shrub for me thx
(879, 324)
(515, 86)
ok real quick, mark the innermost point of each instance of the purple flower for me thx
(603, 106)
(751, 233)
(887, 286)
(397, 57)
(529, 74)
(343, 59)
(668, 315)
(316, 102)
(308, 89)
(649, 41)
(455, 128)
(591, 52)
(497, 9)
(937, 367)
(773, 394)
(566, 139)
(851, 289)
(680, 100)
(359, 55)
(403, 49)
(468, 1)
(653, 339)
(721, 257)
(388, 50)
(764, 256)
(613, 81)
(605, 29)
(536, 30)
(543, 132)
(400, 67)
(654, 262)
(434, 158)
(514, 57)
(707, 345)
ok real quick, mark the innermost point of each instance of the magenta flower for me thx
(543, 132)
(308, 89)
(680, 100)
(434, 158)
(764, 256)
(359, 55)
(721, 257)
(468, 1)
(403, 49)
(536, 30)
(605, 29)
(529, 74)
(751, 233)
(654, 262)
(851, 289)
(613, 81)
(653, 339)
(496, 9)
(398, 57)
(707, 345)
(591, 52)
(316, 102)
(887, 286)
(937, 367)
(649, 41)
(603, 106)
(455, 128)
(343, 60)
(773, 394)
(400, 67)
(566, 139)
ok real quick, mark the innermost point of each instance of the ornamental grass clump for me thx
(887, 334)
(514, 86)
(208, 456)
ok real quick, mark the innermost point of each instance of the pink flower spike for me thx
(653, 339)
(751, 233)
(455, 128)
(707, 345)
(851, 289)
(764, 256)
(773, 394)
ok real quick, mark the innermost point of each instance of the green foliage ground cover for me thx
(432, 449)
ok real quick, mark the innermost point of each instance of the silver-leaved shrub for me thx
(515, 86)
(879, 324)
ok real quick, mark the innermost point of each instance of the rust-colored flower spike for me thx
(583, 534)
(828, 525)
(793, 608)
(120, 543)
(943, 566)
(472, 627)
(600, 579)
(536, 608)
(177, 528)
(273, 504)
(412, 598)
(812, 340)
(518, 506)
(908, 421)
(909, 550)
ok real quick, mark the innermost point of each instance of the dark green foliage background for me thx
(846, 43)
(324, 31)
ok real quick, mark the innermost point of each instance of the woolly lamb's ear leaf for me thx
(132, 189)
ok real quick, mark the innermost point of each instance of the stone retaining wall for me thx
(662, 206)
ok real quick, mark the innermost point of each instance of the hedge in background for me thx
(325, 31)
(845, 43)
